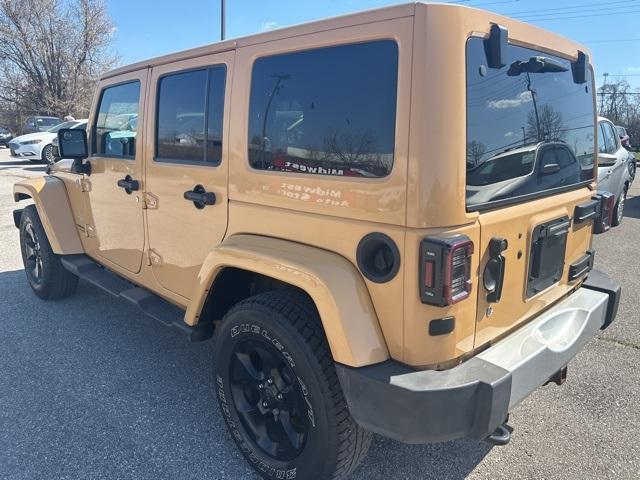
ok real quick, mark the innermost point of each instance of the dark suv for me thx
(5, 136)
(39, 124)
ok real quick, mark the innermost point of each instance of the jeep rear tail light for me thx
(445, 269)
(604, 218)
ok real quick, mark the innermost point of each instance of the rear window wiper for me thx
(535, 64)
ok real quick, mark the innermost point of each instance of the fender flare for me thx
(333, 283)
(52, 203)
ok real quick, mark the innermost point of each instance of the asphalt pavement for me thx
(90, 389)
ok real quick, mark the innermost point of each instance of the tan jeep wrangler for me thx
(386, 219)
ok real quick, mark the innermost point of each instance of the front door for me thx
(115, 223)
(186, 170)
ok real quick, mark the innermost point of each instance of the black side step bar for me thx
(150, 303)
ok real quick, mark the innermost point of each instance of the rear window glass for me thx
(513, 114)
(47, 121)
(328, 111)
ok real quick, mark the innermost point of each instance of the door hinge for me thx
(83, 184)
(153, 258)
(149, 201)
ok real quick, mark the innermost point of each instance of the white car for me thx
(613, 167)
(37, 146)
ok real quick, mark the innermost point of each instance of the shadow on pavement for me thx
(92, 388)
(19, 163)
(632, 207)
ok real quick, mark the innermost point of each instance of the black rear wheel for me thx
(618, 213)
(279, 393)
(268, 399)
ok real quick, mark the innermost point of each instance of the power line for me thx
(620, 75)
(612, 40)
(577, 7)
(580, 16)
(577, 12)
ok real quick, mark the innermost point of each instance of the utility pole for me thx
(274, 92)
(604, 86)
(535, 105)
(222, 19)
(524, 136)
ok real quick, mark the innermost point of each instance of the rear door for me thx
(187, 167)
(532, 129)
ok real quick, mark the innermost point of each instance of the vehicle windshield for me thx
(621, 131)
(3, 130)
(47, 121)
(502, 167)
(70, 124)
(533, 99)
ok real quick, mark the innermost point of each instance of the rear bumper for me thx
(474, 398)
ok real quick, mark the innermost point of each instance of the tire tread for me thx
(299, 310)
(62, 283)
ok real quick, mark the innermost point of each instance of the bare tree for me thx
(475, 152)
(620, 104)
(350, 149)
(547, 126)
(51, 53)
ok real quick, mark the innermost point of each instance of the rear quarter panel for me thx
(329, 212)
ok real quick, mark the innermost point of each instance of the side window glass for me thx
(611, 137)
(327, 111)
(189, 121)
(602, 144)
(565, 159)
(181, 106)
(116, 124)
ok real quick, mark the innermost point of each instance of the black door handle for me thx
(200, 197)
(129, 184)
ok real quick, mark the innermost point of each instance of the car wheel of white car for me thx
(619, 212)
(47, 154)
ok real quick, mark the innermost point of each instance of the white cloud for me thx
(509, 134)
(521, 98)
(632, 69)
(268, 26)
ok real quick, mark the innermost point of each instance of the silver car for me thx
(613, 168)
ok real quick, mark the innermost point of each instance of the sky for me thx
(148, 28)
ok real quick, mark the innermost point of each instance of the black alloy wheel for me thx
(268, 399)
(33, 255)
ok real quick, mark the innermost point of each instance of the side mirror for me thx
(72, 143)
(606, 160)
(550, 168)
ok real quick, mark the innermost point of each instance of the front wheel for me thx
(279, 393)
(47, 155)
(45, 273)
